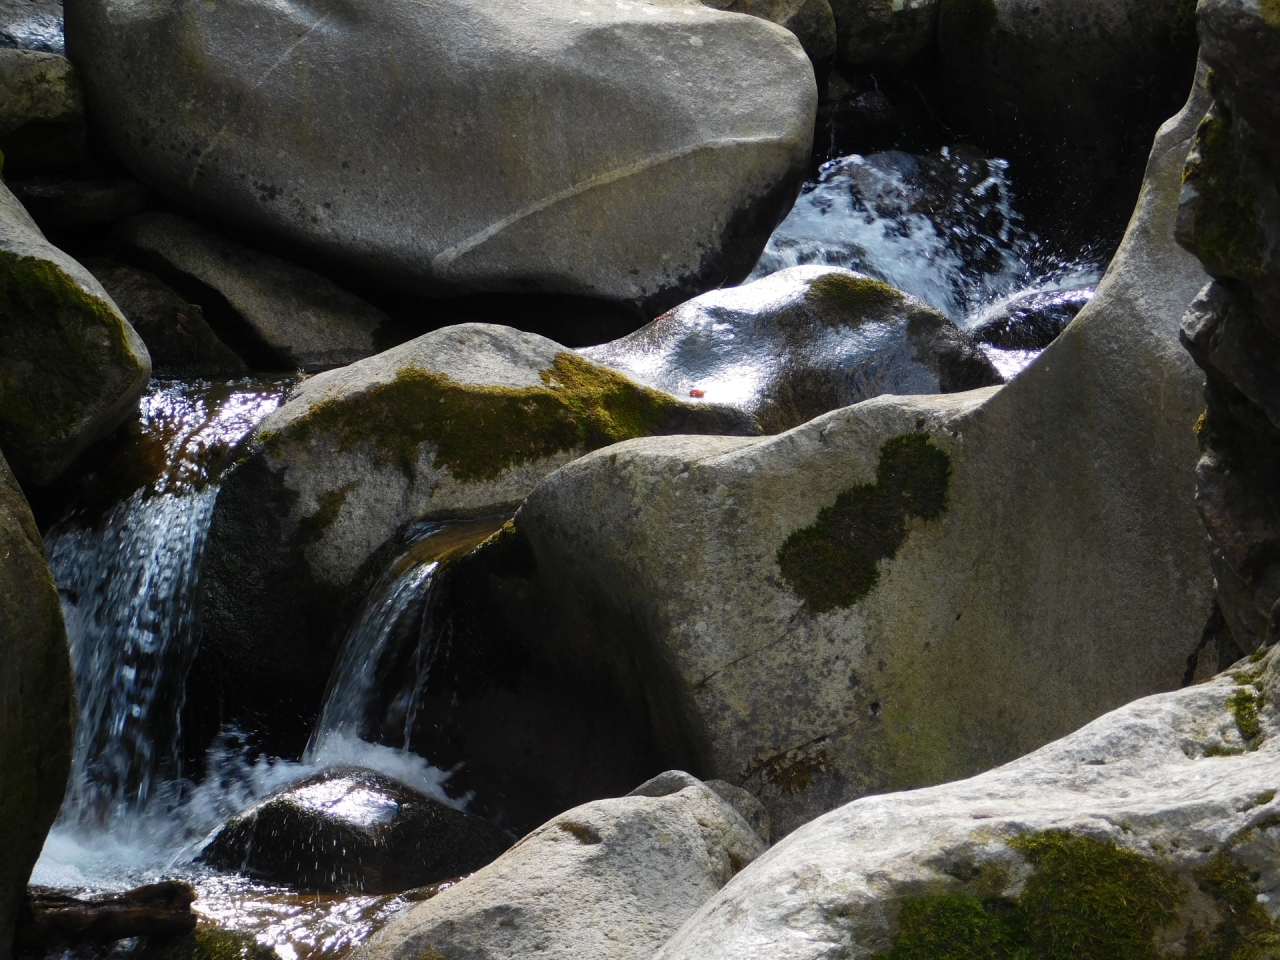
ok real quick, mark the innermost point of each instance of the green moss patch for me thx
(1225, 234)
(312, 529)
(63, 353)
(1087, 899)
(1244, 706)
(834, 562)
(1246, 931)
(851, 298)
(480, 431)
(211, 943)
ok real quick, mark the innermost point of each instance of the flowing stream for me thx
(127, 554)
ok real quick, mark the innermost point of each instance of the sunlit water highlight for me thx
(941, 227)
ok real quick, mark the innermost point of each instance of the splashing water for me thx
(942, 228)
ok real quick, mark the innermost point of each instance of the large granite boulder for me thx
(71, 367)
(640, 152)
(1071, 89)
(609, 880)
(912, 589)
(37, 701)
(1230, 218)
(798, 343)
(810, 20)
(458, 423)
(348, 830)
(1152, 832)
(292, 317)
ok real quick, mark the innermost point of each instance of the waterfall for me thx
(940, 227)
(128, 576)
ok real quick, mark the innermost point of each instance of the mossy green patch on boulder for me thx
(1087, 899)
(211, 943)
(835, 561)
(1244, 705)
(852, 294)
(478, 431)
(1219, 223)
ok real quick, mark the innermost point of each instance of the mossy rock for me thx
(71, 367)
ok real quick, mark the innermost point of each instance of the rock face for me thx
(297, 318)
(798, 343)
(459, 423)
(912, 589)
(179, 340)
(1154, 831)
(353, 831)
(71, 367)
(41, 112)
(460, 145)
(1230, 218)
(810, 20)
(885, 34)
(608, 880)
(37, 700)
(1039, 81)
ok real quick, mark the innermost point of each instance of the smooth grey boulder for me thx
(301, 319)
(71, 367)
(810, 20)
(635, 152)
(1153, 831)
(912, 589)
(887, 34)
(180, 342)
(37, 701)
(42, 125)
(608, 880)
(798, 343)
(458, 423)
(349, 830)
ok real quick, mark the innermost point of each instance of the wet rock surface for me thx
(887, 36)
(542, 160)
(1030, 321)
(773, 598)
(179, 340)
(296, 319)
(458, 423)
(71, 367)
(38, 696)
(609, 879)
(1153, 828)
(354, 831)
(798, 343)
(32, 25)
(1229, 217)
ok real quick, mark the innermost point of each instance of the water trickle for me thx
(940, 227)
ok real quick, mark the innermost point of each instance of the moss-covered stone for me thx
(835, 561)
(1087, 899)
(478, 431)
(849, 297)
(1223, 229)
(65, 357)
(1245, 930)
(1244, 705)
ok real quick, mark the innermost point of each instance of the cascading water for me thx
(940, 227)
